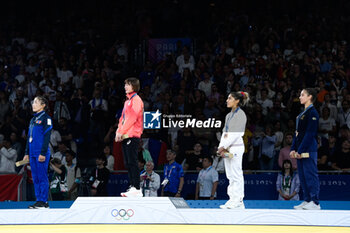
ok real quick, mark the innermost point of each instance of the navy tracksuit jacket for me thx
(305, 141)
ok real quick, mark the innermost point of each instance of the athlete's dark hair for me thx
(43, 101)
(134, 82)
(312, 92)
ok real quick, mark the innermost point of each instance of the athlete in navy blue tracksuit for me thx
(304, 148)
(37, 151)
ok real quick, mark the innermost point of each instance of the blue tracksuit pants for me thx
(40, 178)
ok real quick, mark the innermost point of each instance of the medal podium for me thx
(165, 210)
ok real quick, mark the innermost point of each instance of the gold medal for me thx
(30, 139)
(226, 135)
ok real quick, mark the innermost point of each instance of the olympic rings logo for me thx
(122, 214)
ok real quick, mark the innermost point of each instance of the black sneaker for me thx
(42, 205)
(33, 206)
(39, 205)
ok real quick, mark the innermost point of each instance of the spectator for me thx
(197, 99)
(8, 157)
(61, 108)
(206, 84)
(344, 113)
(173, 176)
(17, 145)
(265, 141)
(4, 106)
(185, 59)
(58, 184)
(333, 111)
(341, 161)
(55, 139)
(194, 158)
(109, 158)
(326, 123)
(186, 64)
(288, 183)
(73, 176)
(322, 155)
(210, 111)
(279, 141)
(65, 131)
(150, 181)
(99, 177)
(207, 181)
(265, 103)
(98, 112)
(284, 152)
(277, 114)
(144, 154)
(185, 141)
(61, 153)
(65, 75)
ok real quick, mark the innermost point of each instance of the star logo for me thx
(155, 115)
(151, 120)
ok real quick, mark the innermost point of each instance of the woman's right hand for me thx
(220, 149)
(292, 154)
(26, 157)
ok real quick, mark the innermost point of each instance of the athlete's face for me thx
(128, 88)
(304, 97)
(231, 102)
(37, 105)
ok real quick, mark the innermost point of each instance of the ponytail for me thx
(243, 97)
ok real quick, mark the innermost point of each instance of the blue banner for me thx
(257, 186)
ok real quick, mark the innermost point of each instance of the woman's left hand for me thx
(41, 158)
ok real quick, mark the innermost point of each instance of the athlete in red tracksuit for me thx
(129, 132)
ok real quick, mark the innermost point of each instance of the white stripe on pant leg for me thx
(234, 173)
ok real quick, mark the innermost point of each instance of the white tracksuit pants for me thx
(234, 173)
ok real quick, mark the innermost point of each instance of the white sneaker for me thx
(300, 207)
(239, 205)
(233, 205)
(224, 206)
(311, 206)
(132, 192)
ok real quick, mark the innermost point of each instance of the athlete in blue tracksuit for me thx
(304, 148)
(37, 151)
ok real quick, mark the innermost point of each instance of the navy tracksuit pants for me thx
(307, 170)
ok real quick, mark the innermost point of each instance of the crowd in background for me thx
(79, 61)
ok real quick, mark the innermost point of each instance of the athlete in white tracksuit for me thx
(232, 141)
